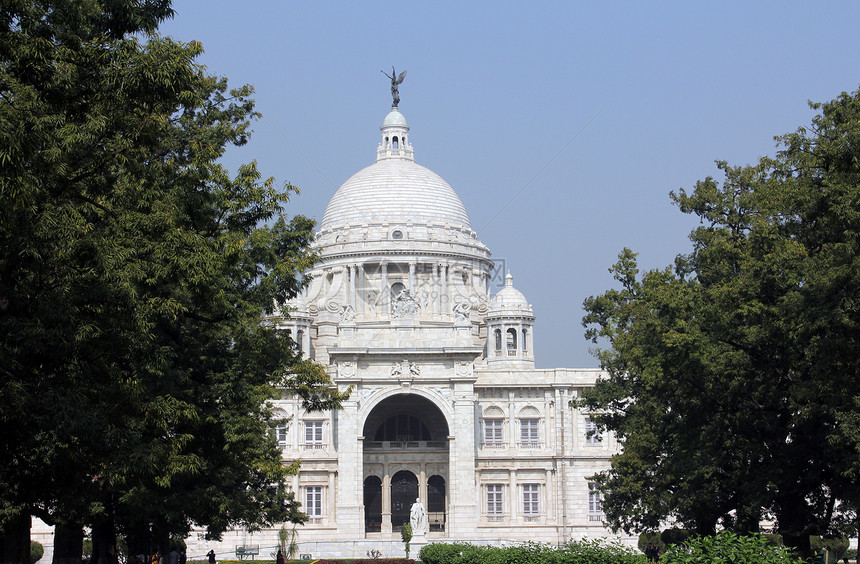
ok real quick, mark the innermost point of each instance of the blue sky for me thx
(563, 126)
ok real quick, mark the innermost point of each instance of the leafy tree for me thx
(406, 536)
(733, 375)
(134, 369)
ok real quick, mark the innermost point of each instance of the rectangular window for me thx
(281, 432)
(313, 434)
(595, 499)
(529, 433)
(494, 431)
(313, 501)
(495, 500)
(592, 435)
(531, 499)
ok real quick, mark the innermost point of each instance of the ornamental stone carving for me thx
(404, 305)
(347, 315)
(346, 369)
(462, 310)
(404, 368)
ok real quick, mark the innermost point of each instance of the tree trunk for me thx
(138, 539)
(800, 544)
(68, 543)
(15, 540)
(104, 542)
(161, 537)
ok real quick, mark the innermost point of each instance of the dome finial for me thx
(395, 82)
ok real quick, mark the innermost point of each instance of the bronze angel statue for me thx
(395, 82)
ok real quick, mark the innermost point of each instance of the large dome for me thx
(395, 191)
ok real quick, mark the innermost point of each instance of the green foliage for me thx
(134, 369)
(727, 548)
(734, 373)
(650, 538)
(406, 536)
(836, 546)
(674, 536)
(594, 551)
(446, 553)
(36, 551)
(363, 561)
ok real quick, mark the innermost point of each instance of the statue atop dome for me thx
(395, 82)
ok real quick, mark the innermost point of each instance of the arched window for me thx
(394, 143)
(494, 428)
(512, 342)
(372, 504)
(436, 503)
(282, 427)
(404, 492)
(530, 428)
(525, 340)
(498, 340)
(300, 336)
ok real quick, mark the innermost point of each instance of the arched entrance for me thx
(405, 457)
(404, 492)
(372, 504)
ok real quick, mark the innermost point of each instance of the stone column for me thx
(362, 286)
(386, 501)
(520, 340)
(350, 488)
(412, 278)
(422, 484)
(512, 485)
(385, 296)
(549, 506)
(464, 509)
(443, 297)
(345, 284)
(437, 278)
(353, 271)
(330, 496)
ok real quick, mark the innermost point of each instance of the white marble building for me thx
(447, 404)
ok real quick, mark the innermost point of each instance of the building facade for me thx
(447, 405)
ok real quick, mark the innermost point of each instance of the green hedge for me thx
(727, 548)
(581, 552)
(363, 561)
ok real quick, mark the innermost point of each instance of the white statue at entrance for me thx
(418, 518)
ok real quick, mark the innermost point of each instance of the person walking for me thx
(211, 556)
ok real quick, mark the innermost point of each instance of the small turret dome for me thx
(394, 118)
(510, 299)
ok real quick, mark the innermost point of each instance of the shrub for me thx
(574, 552)
(727, 548)
(647, 538)
(443, 553)
(597, 551)
(837, 546)
(36, 551)
(674, 536)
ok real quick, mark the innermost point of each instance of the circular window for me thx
(397, 234)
